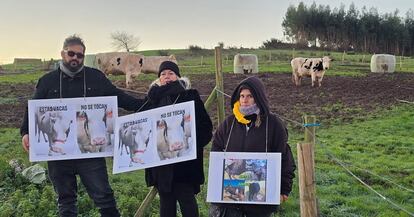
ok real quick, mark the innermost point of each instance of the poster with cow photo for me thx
(156, 137)
(71, 128)
(244, 178)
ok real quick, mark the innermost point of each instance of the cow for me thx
(313, 67)
(245, 64)
(172, 137)
(151, 64)
(236, 167)
(53, 125)
(136, 139)
(126, 63)
(234, 193)
(254, 189)
(93, 130)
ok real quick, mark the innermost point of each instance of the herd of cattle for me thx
(132, 65)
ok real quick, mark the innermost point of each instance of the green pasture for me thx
(381, 143)
(277, 61)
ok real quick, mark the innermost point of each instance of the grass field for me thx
(377, 147)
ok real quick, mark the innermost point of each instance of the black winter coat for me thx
(95, 82)
(254, 140)
(190, 172)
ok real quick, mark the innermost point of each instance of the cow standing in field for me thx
(313, 67)
(92, 130)
(172, 137)
(136, 139)
(151, 64)
(126, 63)
(55, 126)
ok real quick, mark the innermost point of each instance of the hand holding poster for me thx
(71, 128)
(245, 178)
(155, 137)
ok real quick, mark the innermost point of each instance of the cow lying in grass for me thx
(313, 67)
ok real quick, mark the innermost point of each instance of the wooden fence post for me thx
(308, 204)
(343, 57)
(219, 85)
(211, 98)
(220, 111)
(146, 202)
(310, 130)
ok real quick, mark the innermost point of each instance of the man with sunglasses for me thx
(73, 79)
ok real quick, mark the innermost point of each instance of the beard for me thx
(73, 65)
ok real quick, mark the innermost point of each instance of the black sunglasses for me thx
(72, 54)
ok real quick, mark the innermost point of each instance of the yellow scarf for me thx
(239, 116)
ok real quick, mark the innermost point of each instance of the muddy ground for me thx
(340, 97)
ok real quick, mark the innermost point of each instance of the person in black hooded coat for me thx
(180, 181)
(253, 128)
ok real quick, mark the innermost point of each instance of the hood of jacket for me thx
(258, 91)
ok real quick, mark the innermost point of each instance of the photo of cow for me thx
(135, 140)
(244, 177)
(53, 132)
(95, 130)
(174, 136)
(72, 128)
(156, 137)
(244, 180)
(233, 190)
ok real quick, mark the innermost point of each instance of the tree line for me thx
(362, 30)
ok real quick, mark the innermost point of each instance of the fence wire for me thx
(340, 163)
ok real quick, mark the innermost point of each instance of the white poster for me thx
(155, 137)
(72, 128)
(244, 178)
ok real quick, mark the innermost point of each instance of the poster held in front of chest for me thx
(244, 178)
(156, 137)
(72, 128)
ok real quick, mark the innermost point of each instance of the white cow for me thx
(313, 67)
(151, 64)
(135, 138)
(246, 64)
(55, 126)
(172, 138)
(92, 130)
(126, 63)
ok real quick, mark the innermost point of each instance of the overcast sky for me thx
(37, 29)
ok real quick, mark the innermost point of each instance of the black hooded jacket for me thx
(254, 139)
(190, 172)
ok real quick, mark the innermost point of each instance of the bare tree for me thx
(123, 40)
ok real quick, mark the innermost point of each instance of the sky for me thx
(37, 29)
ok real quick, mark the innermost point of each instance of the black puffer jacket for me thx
(254, 139)
(89, 83)
(190, 172)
